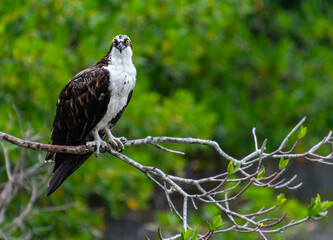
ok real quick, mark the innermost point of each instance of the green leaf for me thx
(182, 232)
(280, 199)
(283, 163)
(325, 205)
(317, 209)
(230, 167)
(318, 199)
(314, 212)
(216, 223)
(195, 234)
(185, 235)
(233, 169)
(261, 174)
(236, 168)
(189, 234)
(301, 132)
(313, 203)
(210, 227)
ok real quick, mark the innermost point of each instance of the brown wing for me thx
(82, 104)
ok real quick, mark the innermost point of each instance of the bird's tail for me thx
(68, 164)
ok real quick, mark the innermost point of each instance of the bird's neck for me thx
(116, 60)
(120, 59)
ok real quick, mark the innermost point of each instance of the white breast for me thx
(122, 81)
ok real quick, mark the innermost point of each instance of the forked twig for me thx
(221, 190)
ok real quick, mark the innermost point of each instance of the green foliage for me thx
(283, 163)
(216, 223)
(207, 69)
(317, 209)
(261, 174)
(301, 132)
(233, 169)
(189, 234)
(280, 199)
(257, 197)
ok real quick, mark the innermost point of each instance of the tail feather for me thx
(50, 157)
(68, 164)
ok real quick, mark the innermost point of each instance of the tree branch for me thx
(221, 190)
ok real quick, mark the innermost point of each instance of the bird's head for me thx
(121, 45)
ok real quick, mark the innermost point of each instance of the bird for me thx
(89, 106)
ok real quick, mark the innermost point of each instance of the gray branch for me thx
(217, 193)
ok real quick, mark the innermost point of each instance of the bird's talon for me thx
(119, 143)
(97, 146)
(91, 146)
(116, 144)
(112, 142)
(123, 140)
(103, 147)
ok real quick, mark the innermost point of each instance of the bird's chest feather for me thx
(122, 81)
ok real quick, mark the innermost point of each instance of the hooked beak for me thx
(121, 46)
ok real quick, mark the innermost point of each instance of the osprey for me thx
(89, 106)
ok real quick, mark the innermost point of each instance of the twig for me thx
(220, 188)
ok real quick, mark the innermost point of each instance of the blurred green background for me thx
(205, 69)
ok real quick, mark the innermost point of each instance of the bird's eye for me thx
(127, 42)
(114, 42)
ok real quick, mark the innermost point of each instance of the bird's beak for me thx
(121, 46)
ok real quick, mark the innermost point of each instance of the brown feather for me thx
(82, 104)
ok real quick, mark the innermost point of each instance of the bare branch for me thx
(218, 190)
(43, 147)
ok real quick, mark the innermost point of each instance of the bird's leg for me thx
(98, 142)
(116, 142)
